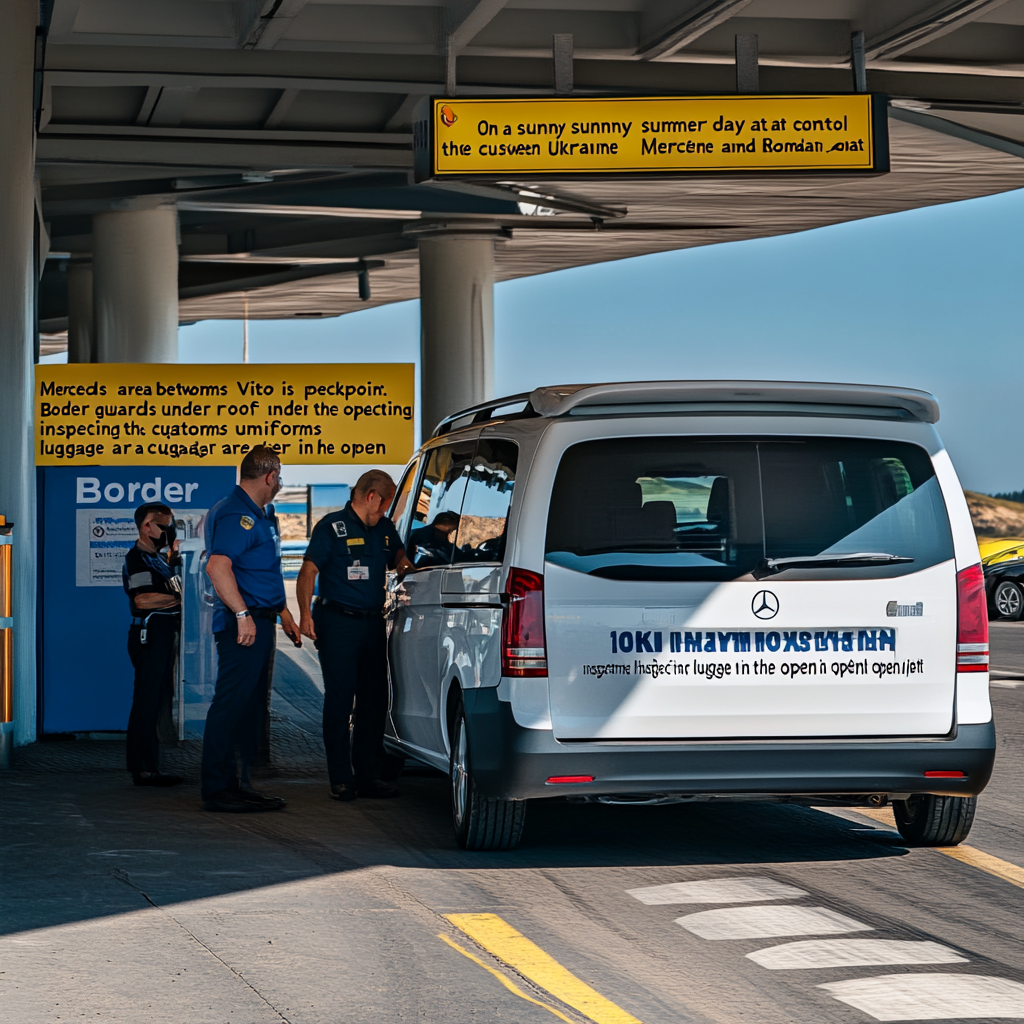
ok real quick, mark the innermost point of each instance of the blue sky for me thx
(926, 299)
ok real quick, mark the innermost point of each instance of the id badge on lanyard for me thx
(358, 572)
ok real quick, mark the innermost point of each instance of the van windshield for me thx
(676, 508)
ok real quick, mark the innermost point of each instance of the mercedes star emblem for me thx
(765, 605)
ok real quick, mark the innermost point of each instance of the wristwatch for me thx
(243, 614)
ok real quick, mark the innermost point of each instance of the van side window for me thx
(484, 523)
(401, 509)
(435, 517)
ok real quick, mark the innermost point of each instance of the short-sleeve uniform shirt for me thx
(353, 559)
(239, 529)
(146, 573)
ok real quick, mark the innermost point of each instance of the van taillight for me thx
(971, 621)
(523, 650)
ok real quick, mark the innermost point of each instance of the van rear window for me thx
(676, 508)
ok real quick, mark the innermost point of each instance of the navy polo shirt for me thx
(353, 558)
(239, 529)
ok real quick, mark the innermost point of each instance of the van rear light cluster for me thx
(523, 648)
(971, 621)
(565, 780)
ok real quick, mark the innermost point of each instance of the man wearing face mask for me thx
(244, 565)
(352, 550)
(153, 592)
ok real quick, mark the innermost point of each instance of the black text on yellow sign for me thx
(660, 134)
(157, 414)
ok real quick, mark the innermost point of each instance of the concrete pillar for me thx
(456, 324)
(17, 342)
(81, 324)
(135, 285)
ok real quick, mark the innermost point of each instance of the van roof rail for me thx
(485, 411)
(709, 396)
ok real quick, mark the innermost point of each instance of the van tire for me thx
(929, 820)
(481, 823)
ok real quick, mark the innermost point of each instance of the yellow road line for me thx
(513, 948)
(501, 977)
(965, 854)
(986, 862)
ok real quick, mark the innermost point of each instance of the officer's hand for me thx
(290, 629)
(246, 631)
(306, 627)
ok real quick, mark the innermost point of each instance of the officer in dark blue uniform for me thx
(244, 564)
(154, 597)
(352, 551)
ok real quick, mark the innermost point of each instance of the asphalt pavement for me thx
(125, 904)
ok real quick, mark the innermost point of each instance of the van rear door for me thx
(668, 616)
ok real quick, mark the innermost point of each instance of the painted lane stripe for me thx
(717, 890)
(768, 922)
(1007, 871)
(816, 953)
(932, 996)
(508, 984)
(500, 939)
(986, 862)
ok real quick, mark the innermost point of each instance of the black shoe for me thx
(261, 801)
(343, 792)
(225, 800)
(376, 788)
(156, 779)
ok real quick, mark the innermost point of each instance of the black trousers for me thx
(233, 721)
(353, 657)
(154, 686)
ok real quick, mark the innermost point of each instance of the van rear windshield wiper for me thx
(856, 560)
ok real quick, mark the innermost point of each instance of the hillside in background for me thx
(995, 517)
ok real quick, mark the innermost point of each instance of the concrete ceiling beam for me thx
(932, 23)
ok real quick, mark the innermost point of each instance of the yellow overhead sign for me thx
(158, 414)
(659, 134)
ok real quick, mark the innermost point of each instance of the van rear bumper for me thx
(514, 763)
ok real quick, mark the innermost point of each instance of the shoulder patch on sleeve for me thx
(247, 522)
(140, 579)
(340, 529)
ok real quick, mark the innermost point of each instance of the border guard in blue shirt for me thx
(244, 564)
(353, 550)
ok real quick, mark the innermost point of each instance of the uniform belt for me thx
(264, 613)
(138, 620)
(355, 613)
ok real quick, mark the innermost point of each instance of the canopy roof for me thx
(282, 129)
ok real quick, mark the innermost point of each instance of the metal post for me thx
(562, 57)
(6, 647)
(18, 276)
(857, 62)
(747, 76)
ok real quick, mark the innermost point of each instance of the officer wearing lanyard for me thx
(352, 550)
(244, 565)
(154, 599)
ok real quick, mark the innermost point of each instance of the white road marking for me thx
(717, 890)
(768, 922)
(931, 996)
(798, 956)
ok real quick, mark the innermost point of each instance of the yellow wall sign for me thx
(158, 414)
(660, 134)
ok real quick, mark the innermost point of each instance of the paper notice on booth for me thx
(102, 539)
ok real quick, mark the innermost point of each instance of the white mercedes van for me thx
(692, 590)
